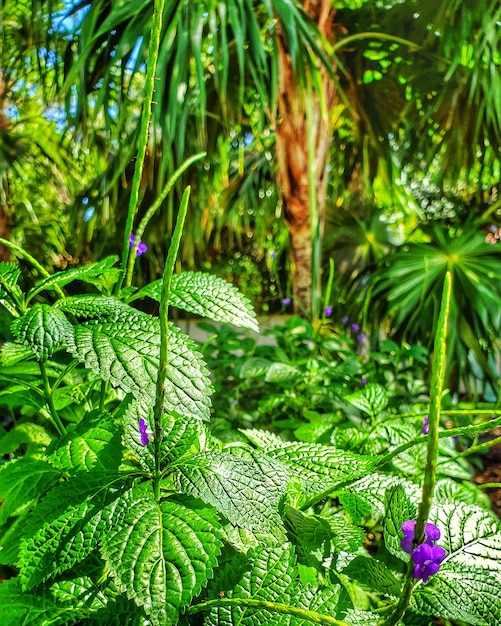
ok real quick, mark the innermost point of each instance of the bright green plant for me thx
(407, 288)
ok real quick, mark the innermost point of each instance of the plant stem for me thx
(149, 88)
(164, 335)
(59, 426)
(436, 388)
(153, 209)
(32, 261)
(278, 607)
(481, 447)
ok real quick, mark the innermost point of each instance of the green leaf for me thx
(178, 434)
(91, 273)
(373, 574)
(93, 443)
(398, 510)
(124, 349)
(471, 535)
(448, 489)
(35, 609)
(44, 329)
(206, 295)
(317, 466)
(246, 490)
(23, 482)
(281, 373)
(255, 367)
(68, 524)
(372, 490)
(162, 553)
(9, 289)
(470, 595)
(271, 578)
(28, 434)
(372, 400)
(13, 353)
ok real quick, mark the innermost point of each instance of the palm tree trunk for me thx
(295, 166)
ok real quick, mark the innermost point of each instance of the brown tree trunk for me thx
(292, 154)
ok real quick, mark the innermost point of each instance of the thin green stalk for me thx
(330, 281)
(152, 210)
(32, 261)
(481, 447)
(387, 458)
(164, 334)
(277, 607)
(149, 88)
(436, 388)
(56, 420)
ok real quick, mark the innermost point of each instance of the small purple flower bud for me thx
(234, 402)
(345, 320)
(273, 254)
(145, 433)
(355, 328)
(362, 337)
(363, 381)
(426, 426)
(142, 247)
(328, 310)
(286, 301)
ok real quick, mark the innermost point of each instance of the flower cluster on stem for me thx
(427, 557)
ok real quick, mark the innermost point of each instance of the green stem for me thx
(149, 88)
(59, 426)
(277, 607)
(32, 261)
(436, 388)
(164, 334)
(386, 458)
(481, 447)
(153, 209)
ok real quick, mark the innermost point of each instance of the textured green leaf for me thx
(246, 490)
(124, 349)
(372, 400)
(162, 554)
(23, 482)
(469, 595)
(44, 329)
(470, 535)
(9, 275)
(93, 443)
(398, 510)
(67, 525)
(15, 396)
(37, 609)
(178, 434)
(281, 373)
(255, 367)
(357, 509)
(13, 353)
(317, 466)
(372, 490)
(33, 436)
(373, 574)
(206, 295)
(271, 578)
(448, 489)
(88, 273)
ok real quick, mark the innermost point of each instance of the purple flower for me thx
(426, 426)
(273, 254)
(427, 559)
(362, 337)
(345, 320)
(145, 433)
(142, 247)
(286, 301)
(328, 310)
(355, 328)
(431, 533)
(363, 381)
